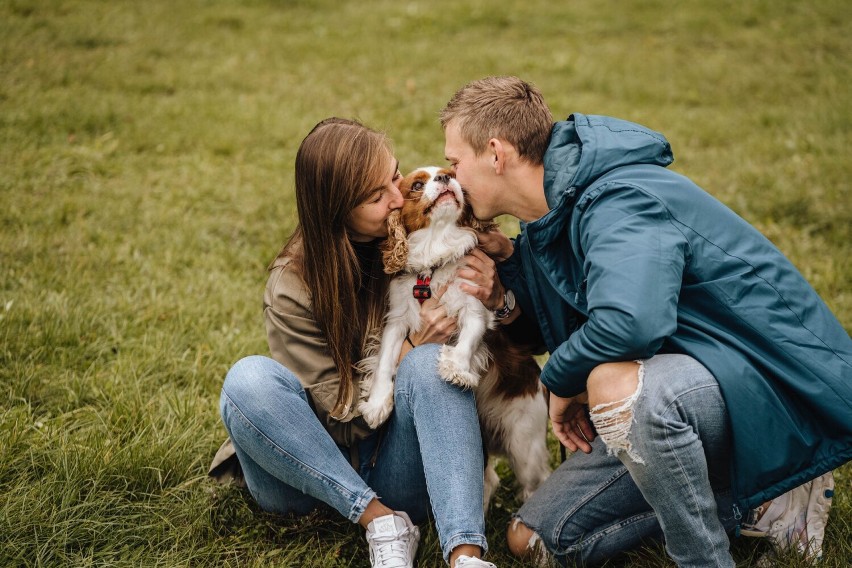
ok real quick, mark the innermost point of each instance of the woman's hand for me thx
(436, 326)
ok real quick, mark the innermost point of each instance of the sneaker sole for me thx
(753, 533)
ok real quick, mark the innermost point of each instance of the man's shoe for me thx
(393, 541)
(797, 518)
(472, 562)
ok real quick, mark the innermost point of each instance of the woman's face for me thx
(368, 220)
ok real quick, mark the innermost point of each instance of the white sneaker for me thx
(393, 541)
(471, 562)
(797, 518)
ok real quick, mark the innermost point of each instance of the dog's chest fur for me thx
(437, 245)
(435, 252)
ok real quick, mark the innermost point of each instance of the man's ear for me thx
(395, 248)
(498, 155)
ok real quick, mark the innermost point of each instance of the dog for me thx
(427, 239)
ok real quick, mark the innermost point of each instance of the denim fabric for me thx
(596, 506)
(430, 454)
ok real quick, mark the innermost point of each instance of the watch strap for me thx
(504, 312)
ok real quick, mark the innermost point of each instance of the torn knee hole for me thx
(532, 547)
(613, 421)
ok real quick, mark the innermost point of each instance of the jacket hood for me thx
(585, 147)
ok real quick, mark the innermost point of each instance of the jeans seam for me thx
(689, 484)
(358, 501)
(597, 535)
(557, 530)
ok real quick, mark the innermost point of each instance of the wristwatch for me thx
(508, 305)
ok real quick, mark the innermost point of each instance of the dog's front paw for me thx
(376, 409)
(455, 368)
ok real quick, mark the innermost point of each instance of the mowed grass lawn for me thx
(146, 153)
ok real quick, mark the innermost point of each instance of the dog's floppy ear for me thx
(395, 249)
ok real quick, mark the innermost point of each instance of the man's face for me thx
(473, 172)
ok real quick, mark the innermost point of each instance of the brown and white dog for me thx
(426, 242)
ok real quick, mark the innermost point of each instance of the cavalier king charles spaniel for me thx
(427, 239)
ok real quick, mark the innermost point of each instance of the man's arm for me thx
(634, 261)
(483, 268)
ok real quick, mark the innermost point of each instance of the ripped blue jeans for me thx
(670, 480)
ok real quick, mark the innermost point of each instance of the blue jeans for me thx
(431, 452)
(596, 505)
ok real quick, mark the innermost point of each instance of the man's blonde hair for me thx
(505, 108)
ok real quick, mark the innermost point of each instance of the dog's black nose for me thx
(442, 178)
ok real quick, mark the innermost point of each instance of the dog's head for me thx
(432, 196)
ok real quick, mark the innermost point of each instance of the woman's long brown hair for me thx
(337, 166)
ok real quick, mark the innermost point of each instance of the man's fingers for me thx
(559, 432)
(471, 274)
(479, 262)
(477, 292)
(582, 424)
(573, 434)
(481, 257)
(495, 243)
(571, 424)
(586, 428)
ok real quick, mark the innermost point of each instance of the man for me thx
(705, 384)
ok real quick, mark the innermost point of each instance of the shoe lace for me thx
(391, 548)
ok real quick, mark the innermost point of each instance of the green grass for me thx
(146, 154)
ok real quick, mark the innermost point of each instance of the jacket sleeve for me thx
(511, 273)
(634, 259)
(524, 330)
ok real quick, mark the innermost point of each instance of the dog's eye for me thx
(417, 186)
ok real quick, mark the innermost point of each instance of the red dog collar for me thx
(422, 291)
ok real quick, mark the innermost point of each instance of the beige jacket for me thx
(295, 341)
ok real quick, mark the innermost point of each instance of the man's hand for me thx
(495, 244)
(478, 269)
(570, 422)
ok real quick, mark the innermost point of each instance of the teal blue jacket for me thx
(633, 260)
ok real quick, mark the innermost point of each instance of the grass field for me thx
(146, 154)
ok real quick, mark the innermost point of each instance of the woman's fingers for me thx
(436, 325)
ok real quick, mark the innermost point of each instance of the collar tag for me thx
(422, 291)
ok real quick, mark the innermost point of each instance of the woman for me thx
(292, 419)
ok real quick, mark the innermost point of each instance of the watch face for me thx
(510, 300)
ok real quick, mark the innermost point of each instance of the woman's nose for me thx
(396, 201)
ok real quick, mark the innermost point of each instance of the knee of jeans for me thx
(254, 375)
(613, 419)
(418, 366)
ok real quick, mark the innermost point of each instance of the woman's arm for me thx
(296, 341)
